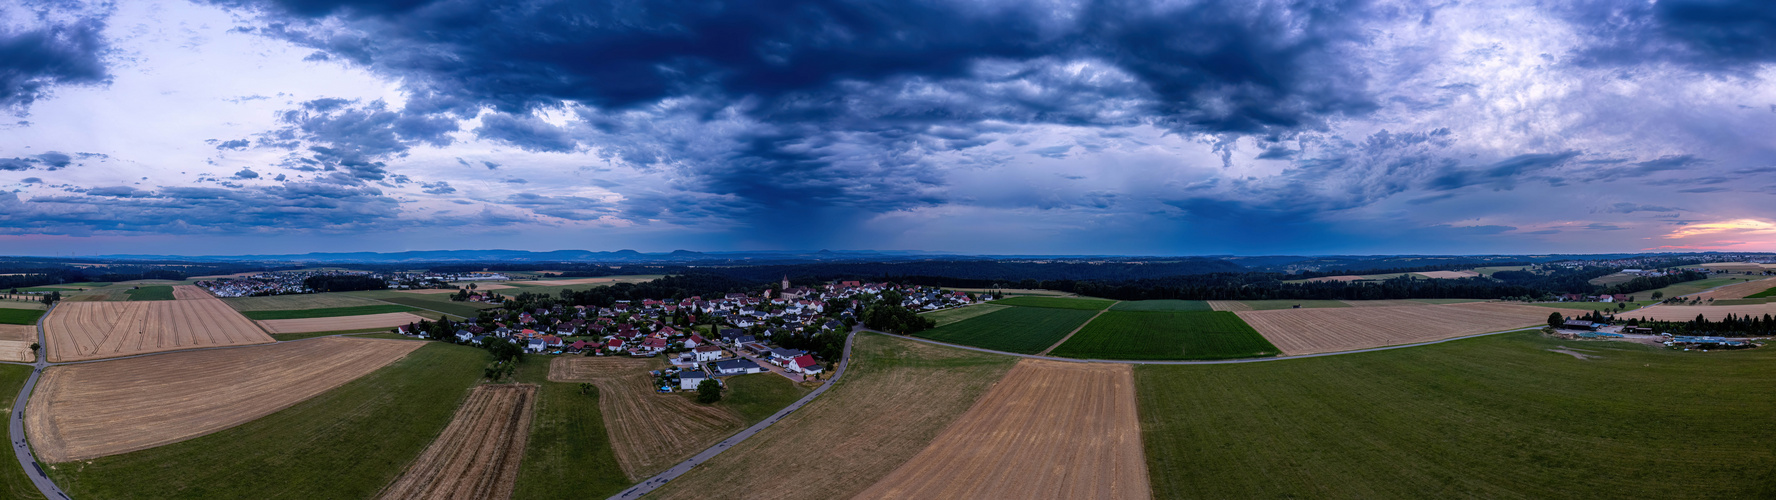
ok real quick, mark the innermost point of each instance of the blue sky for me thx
(1109, 127)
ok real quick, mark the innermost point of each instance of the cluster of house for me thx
(277, 283)
(1576, 297)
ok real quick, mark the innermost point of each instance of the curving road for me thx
(660, 479)
(20, 446)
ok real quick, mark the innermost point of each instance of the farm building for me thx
(1579, 325)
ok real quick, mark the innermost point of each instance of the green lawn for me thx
(1766, 293)
(346, 443)
(1490, 417)
(1689, 287)
(1026, 330)
(947, 316)
(327, 312)
(759, 395)
(152, 292)
(1595, 306)
(1162, 305)
(1057, 303)
(1264, 305)
(12, 316)
(13, 481)
(1166, 335)
(568, 454)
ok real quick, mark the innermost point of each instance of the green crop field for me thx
(1491, 417)
(1741, 302)
(306, 335)
(297, 301)
(443, 305)
(1264, 305)
(154, 292)
(1162, 305)
(947, 316)
(1026, 330)
(13, 481)
(328, 312)
(345, 443)
(1689, 287)
(1596, 306)
(1766, 293)
(759, 395)
(569, 453)
(22, 302)
(1057, 303)
(1166, 335)
(11, 316)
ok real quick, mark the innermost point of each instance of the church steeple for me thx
(785, 282)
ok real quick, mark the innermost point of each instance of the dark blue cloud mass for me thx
(50, 51)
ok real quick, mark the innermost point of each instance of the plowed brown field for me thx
(92, 330)
(1229, 305)
(478, 454)
(648, 431)
(337, 323)
(1308, 331)
(1050, 429)
(190, 292)
(1686, 313)
(1737, 291)
(93, 410)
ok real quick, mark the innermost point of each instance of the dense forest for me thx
(344, 283)
(1731, 326)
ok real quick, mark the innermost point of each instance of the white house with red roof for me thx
(803, 364)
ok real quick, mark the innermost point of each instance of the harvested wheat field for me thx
(432, 291)
(1737, 290)
(190, 292)
(337, 323)
(91, 330)
(648, 431)
(15, 343)
(93, 410)
(20, 333)
(1228, 305)
(896, 398)
(1050, 429)
(1309, 331)
(1687, 313)
(1448, 274)
(478, 454)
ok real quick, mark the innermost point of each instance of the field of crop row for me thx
(1166, 335)
(1026, 330)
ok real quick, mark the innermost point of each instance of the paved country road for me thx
(662, 478)
(16, 432)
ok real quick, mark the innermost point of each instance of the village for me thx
(795, 332)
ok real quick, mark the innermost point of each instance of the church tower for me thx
(785, 282)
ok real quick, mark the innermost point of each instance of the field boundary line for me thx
(1196, 362)
(706, 455)
(1076, 330)
(446, 315)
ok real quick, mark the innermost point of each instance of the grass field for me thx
(947, 316)
(1596, 306)
(1057, 303)
(649, 432)
(896, 397)
(1026, 330)
(11, 316)
(13, 481)
(1741, 302)
(1613, 279)
(1162, 305)
(569, 454)
(155, 292)
(346, 443)
(1166, 335)
(1491, 417)
(440, 303)
(1266, 305)
(32, 303)
(1689, 287)
(330, 312)
(757, 396)
(282, 337)
(1766, 293)
(1487, 271)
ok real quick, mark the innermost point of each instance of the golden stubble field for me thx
(895, 398)
(1737, 290)
(15, 343)
(1049, 429)
(91, 410)
(337, 323)
(648, 431)
(478, 454)
(92, 330)
(1309, 331)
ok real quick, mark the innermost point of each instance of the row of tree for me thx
(1731, 326)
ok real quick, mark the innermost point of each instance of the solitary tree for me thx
(1555, 320)
(1658, 295)
(709, 391)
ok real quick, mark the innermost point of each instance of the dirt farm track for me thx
(93, 330)
(92, 410)
(478, 454)
(1047, 430)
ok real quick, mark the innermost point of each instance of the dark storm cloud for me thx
(40, 56)
(527, 132)
(1628, 208)
(1502, 175)
(16, 164)
(351, 140)
(1704, 34)
(237, 144)
(125, 209)
(438, 188)
(566, 207)
(246, 173)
